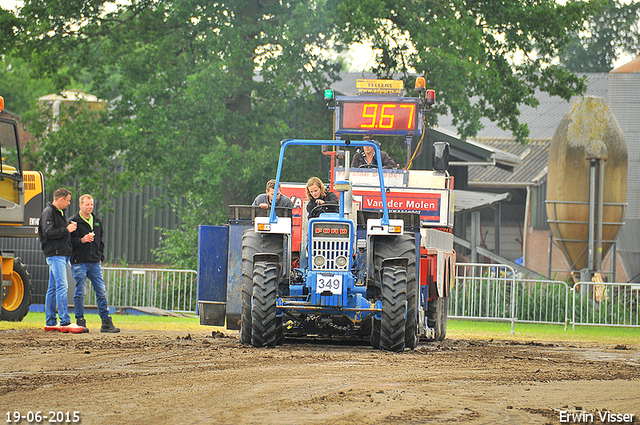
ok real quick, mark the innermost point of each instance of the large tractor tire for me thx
(253, 243)
(402, 246)
(394, 309)
(264, 322)
(437, 314)
(16, 298)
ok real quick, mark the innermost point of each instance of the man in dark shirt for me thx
(264, 200)
(367, 158)
(86, 262)
(55, 237)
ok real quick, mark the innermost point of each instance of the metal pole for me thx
(592, 201)
(599, 215)
(348, 196)
(550, 253)
(614, 260)
(475, 231)
(497, 218)
(527, 207)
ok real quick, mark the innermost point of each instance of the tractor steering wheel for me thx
(324, 208)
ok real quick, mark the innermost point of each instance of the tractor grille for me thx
(330, 243)
(330, 250)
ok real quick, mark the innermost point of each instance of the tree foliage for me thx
(612, 32)
(19, 89)
(202, 92)
(484, 58)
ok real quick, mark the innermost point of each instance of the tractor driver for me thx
(264, 200)
(318, 195)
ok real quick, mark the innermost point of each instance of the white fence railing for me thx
(167, 289)
(482, 291)
(542, 301)
(495, 292)
(606, 304)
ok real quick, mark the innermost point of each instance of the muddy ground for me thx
(164, 377)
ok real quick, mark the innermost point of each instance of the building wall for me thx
(624, 101)
(536, 252)
(537, 255)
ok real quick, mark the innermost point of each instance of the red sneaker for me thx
(55, 327)
(72, 328)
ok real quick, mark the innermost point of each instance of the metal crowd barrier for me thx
(495, 292)
(483, 292)
(542, 301)
(606, 304)
(167, 289)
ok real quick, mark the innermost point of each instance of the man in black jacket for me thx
(86, 262)
(54, 234)
(366, 158)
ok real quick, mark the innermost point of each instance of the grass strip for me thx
(456, 329)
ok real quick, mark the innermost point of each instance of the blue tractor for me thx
(352, 280)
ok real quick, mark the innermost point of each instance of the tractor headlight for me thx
(319, 261)
(342, 261)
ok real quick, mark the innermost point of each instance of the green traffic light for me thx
(328, 94)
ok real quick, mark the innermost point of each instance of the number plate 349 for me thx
(327, 283)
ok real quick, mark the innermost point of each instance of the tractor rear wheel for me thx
(16, 298)
(402, 246)
(394, 308)
(253, 243)
(264, 322)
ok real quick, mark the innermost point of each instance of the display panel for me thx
(379, 116)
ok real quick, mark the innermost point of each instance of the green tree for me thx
(611, 33)
(484, 58)
(207, 90)
(8, 24)
(19, 89)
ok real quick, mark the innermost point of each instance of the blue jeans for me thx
(93, 271)
(57, 291)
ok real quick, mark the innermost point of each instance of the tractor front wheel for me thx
(375, 333)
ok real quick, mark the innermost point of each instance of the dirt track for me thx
(162, 377)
